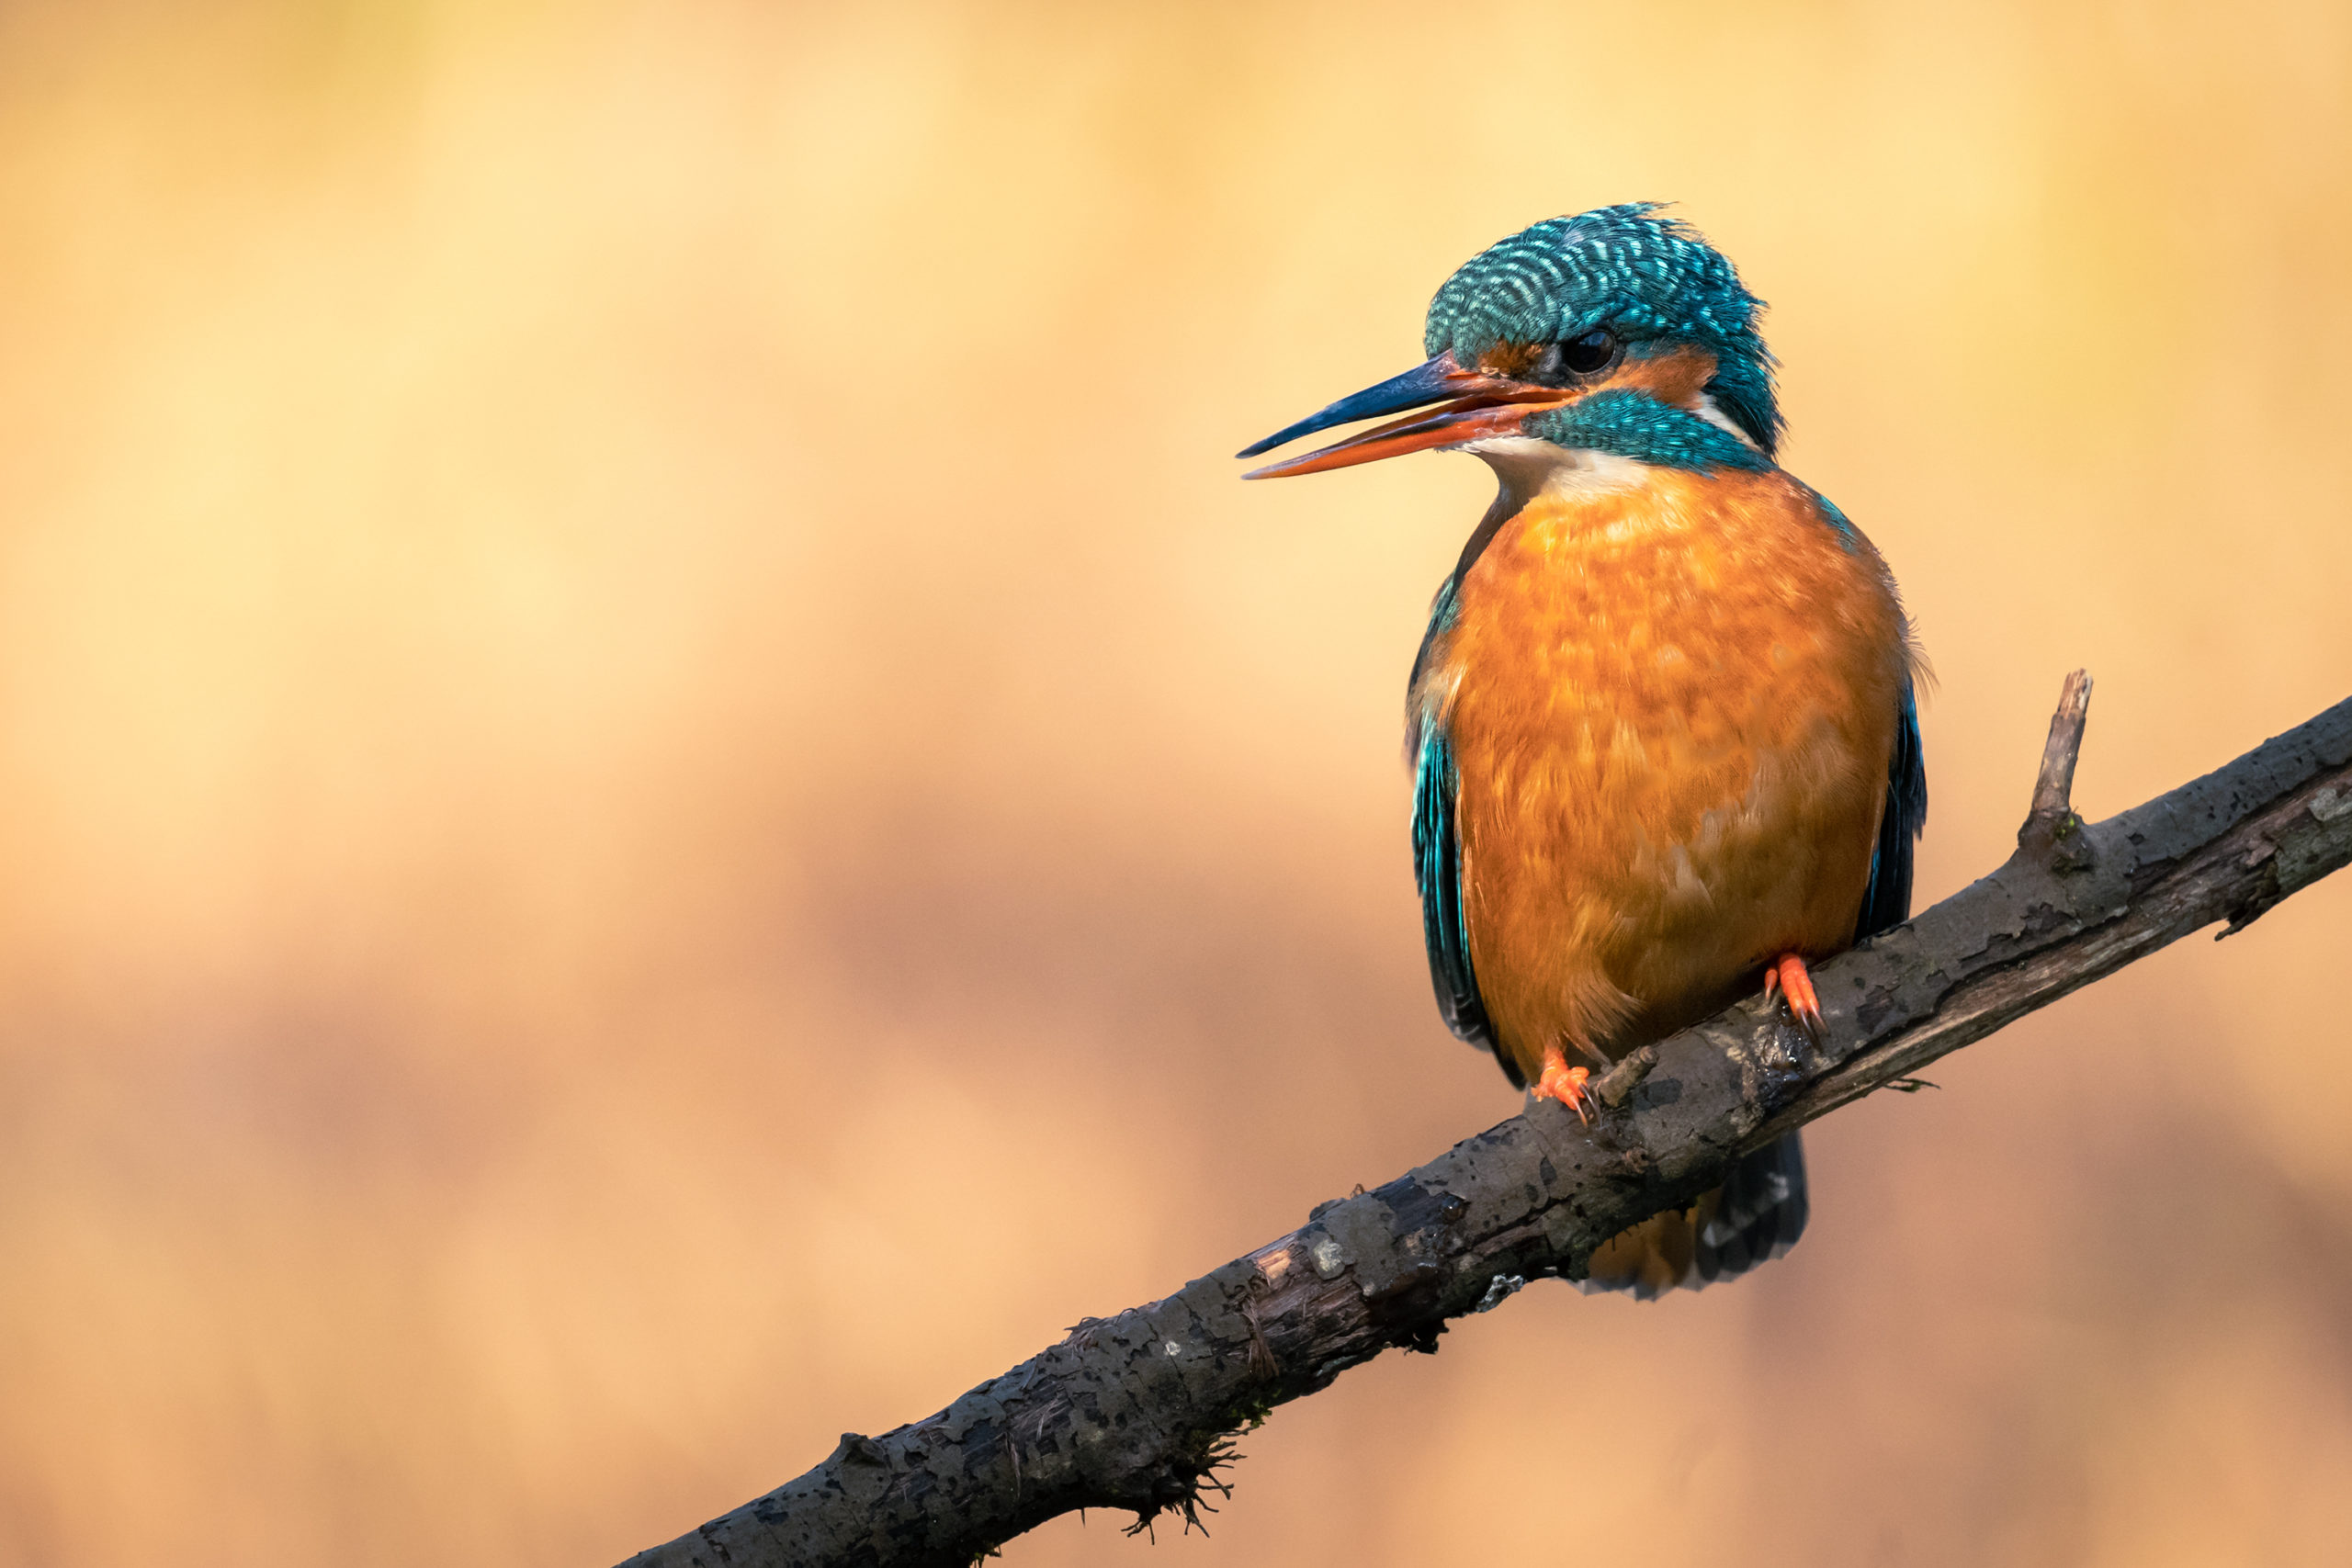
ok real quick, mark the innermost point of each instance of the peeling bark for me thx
(1137, 1412)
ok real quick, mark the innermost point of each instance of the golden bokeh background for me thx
(661, 798)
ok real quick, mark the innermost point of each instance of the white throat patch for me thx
(1529, 468)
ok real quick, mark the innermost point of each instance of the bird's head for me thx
(1616, 331)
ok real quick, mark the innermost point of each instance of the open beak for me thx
(1473, 406)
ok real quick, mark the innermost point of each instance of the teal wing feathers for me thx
(1887, 902)
(1437, 858)
(1436, 871)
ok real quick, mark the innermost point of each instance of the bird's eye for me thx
(1583, 356)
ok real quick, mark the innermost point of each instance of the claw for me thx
(1564, 1083)
(1788, 975)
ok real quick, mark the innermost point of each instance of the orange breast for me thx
(1672, 707)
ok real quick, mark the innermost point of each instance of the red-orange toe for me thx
(1787, 975)
(1564, 1083)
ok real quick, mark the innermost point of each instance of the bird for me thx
(1663, 726)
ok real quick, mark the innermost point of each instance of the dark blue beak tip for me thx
(1291, 432)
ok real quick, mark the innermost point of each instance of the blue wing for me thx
(1436, 871)
(1887, 902)
(1437, 859)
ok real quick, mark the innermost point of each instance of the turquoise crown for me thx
(1651, 280)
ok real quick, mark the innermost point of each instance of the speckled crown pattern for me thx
(1651, 280)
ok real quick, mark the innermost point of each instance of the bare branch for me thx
(1139, 1411)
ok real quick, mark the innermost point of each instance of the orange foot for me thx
(1787, 975)
(1564, 1083)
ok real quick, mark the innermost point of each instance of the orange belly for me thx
(1672, 707)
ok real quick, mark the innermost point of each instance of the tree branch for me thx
(1139, 1411)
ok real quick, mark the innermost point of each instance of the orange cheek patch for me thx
(1673, 378)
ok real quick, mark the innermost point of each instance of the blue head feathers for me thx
(1651, 281)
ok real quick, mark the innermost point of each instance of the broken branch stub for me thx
(2050, 832)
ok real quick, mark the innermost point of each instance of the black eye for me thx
(1592, 352)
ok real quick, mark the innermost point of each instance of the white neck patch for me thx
(1529, 468)
(1705, 409)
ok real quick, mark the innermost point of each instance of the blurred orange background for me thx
(661, 797)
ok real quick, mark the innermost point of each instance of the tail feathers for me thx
(1755, 1215)
(1759, 1213)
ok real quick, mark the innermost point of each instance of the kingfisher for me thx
(1663, 724)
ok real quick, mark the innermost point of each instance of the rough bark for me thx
(1137, 1412)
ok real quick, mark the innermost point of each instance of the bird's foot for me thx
(1564, 1083)
(1787, 975)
